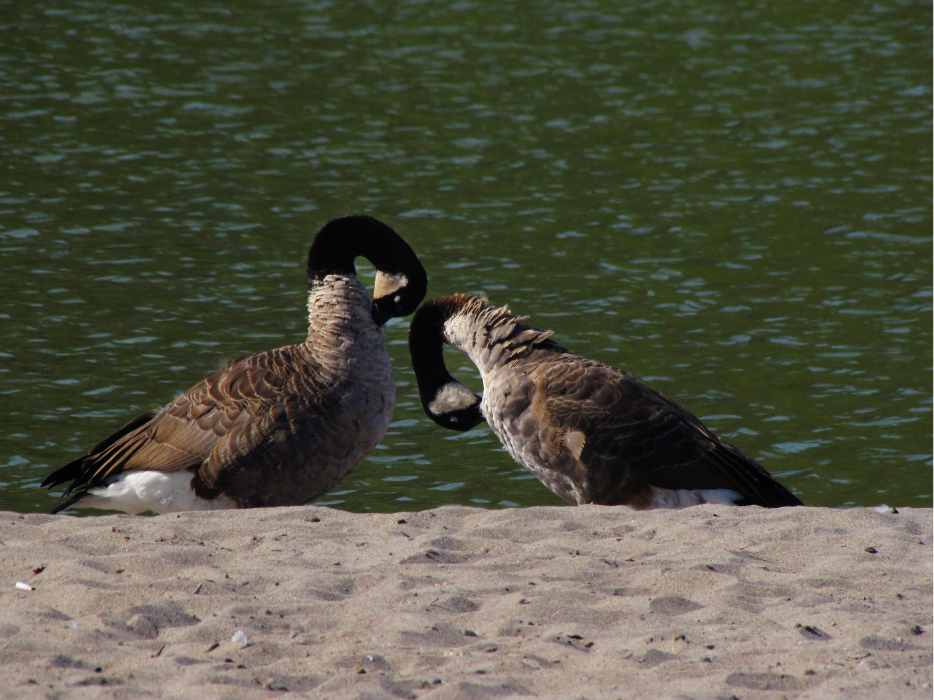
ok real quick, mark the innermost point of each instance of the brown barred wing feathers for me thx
(637, 438)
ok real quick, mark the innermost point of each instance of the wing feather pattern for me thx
(634, 437)
(228, 415)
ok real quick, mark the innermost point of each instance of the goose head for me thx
(445, 400)
(401, 281)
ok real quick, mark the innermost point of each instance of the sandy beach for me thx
(590, 602)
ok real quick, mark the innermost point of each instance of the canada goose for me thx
(591, 433)
(276, 428)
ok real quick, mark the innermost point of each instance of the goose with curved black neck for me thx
(590, 432)
(276, 428)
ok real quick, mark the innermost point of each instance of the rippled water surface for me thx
(730, 200)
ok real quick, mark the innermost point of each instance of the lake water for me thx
(730, 200)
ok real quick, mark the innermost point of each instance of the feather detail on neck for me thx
(492, 336)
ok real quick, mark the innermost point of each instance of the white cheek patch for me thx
(388, 284)
(453, 396)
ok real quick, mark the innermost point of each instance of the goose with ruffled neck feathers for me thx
(276, 428)
(588, 431)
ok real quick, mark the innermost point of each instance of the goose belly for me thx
(370, 399)
(159, 492)
(558, 480)
(518, 431)
(344, 428)
(351, 434)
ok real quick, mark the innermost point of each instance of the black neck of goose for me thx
(445, 400)
(426, 346)
(342, 240)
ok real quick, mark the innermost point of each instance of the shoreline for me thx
(456, 602)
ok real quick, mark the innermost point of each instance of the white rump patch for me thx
(453, 396)
(684, 498)
(137, 492)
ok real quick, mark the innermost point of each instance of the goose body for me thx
(588, 431)
(279, 427)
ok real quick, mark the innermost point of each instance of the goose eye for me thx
(397, 299)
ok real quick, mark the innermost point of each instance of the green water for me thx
(730, 200)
